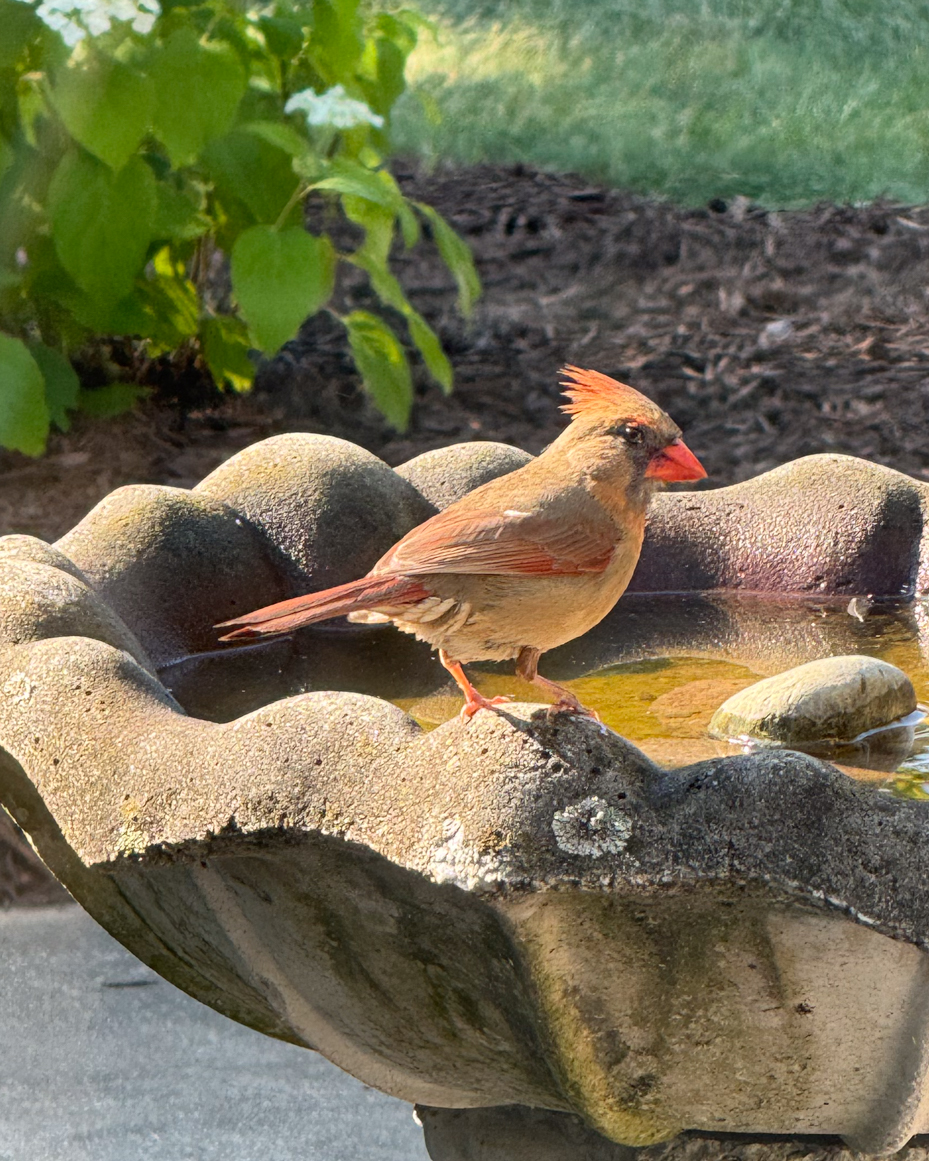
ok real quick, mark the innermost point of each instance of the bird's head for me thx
(623, 437)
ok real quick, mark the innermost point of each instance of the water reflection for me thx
(768, 634)
(229, 682)
(655, 670)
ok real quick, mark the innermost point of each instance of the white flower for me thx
(144, 21)
(334, 108)
(97, 22)
(71, 32)
(74, 19)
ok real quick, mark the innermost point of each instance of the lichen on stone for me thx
(465, 866)
(591, 827)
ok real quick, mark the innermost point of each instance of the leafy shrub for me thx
(138, 144)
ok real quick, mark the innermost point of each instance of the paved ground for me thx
(102, 1060)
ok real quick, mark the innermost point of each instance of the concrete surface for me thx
(103, 1060)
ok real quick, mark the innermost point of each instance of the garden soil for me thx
(766, 335)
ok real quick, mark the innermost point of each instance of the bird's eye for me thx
(629, 432)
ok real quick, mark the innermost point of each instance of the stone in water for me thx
(834, 700)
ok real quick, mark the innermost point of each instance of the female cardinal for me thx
(526, 562)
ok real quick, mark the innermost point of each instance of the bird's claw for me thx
(571, 706)
(478, 702)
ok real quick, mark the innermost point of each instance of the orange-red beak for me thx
(675, 462)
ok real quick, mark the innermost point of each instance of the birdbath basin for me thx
(529, 924)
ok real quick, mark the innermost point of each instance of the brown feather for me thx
(502, 543)
(593, 395)
(285, 616)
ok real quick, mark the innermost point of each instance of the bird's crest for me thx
(596, 396)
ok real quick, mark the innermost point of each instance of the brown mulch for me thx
(766, 335)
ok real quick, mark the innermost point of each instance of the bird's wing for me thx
(507, 543)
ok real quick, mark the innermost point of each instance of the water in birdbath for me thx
(655, 670)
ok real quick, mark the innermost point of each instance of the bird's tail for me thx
(367, 593)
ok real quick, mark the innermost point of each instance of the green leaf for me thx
(382, 93)
(356, 180)
(309, 165)
(283, 37)
(32, 108)
(18, 25)
(105, 105)
(62, 385)
(225, 346)
(279, 278)
(24, 414)
(378, 222)
(86, 312)
(10, 281)
(409, 224)
(336, 44)
(23, 197)
(198, 89)
(102, 222)
(254, 180)
(400, 28)
(262, 100)
(279, 134)
(427, 342)
(179, 214)
(114, 399)
(169, 303)
(7, 158)
(457, 257)
(383, 366)
(53, 291)
(372, 257)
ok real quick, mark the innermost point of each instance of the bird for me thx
(523, 563)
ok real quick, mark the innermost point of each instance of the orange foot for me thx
(477, 701)
(473, 700)
(570, 705)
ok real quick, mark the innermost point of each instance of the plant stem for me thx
(301, 191)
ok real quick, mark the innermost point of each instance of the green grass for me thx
(784, 101)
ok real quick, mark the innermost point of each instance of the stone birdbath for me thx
(552, 943)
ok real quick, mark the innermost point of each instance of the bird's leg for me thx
(473, 699)
(527, 667)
